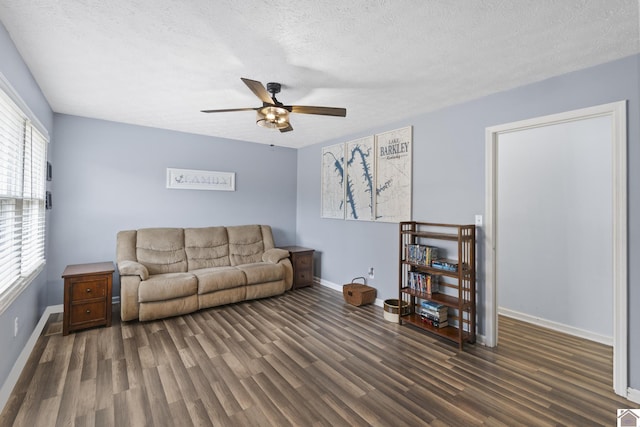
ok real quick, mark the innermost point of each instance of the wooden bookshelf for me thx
(457, 290)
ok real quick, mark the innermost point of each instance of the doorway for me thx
(615, 115)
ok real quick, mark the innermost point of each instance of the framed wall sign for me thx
(393, 175)
(190, 179)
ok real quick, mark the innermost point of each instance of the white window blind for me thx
(22, 196)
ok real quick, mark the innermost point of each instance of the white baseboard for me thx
(481, 339)
(12, 379)
(549, 324)
(633, 395)
(327, 284)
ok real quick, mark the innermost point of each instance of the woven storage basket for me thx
(358, 293)
(391, 311)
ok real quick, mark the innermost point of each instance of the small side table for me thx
(302, 261)
(87, 296)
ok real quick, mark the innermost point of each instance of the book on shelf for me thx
(423, 282)
(435, 323)
(444, 264)
(420, 254)
(432, 305)
(434, 310)
(439, 316)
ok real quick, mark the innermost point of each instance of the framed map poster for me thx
(360, 190)
(393, 175)
(333, 182)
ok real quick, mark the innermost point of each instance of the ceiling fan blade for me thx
(287, 129)
(323, 111)
(259, 90)
(228, 110)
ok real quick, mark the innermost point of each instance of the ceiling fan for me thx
(273, 114)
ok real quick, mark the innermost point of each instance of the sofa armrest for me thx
(132, 268)
(275, 255)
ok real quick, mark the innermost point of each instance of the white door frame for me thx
(618, 113)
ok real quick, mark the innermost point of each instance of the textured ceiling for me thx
(159, 62)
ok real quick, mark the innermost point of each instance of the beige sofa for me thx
(171, 271)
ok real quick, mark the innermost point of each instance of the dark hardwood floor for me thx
(308, 359)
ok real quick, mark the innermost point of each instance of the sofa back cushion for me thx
(246, 244)
(161, 250)
(206, 247)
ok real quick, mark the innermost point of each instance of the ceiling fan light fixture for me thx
(274, 114)
(273, 117)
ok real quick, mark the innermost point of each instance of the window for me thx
(22, 198)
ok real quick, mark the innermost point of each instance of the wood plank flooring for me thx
(308, 359)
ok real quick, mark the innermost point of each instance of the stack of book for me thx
(421, 254)
(434, 314)
(423, 282)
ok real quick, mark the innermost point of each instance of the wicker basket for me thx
(358, 293)
(392, 310)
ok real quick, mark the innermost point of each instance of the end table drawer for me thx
(305, 261)
(88, 289)
(89, 312)
(304, 275)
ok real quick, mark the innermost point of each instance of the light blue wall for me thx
(31, 303)
(449, 179)
(563, 171)
(112, 176)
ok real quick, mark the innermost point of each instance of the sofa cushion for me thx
(161, 250)
(218, 278)
(167, 286)
(262, 272)
(245, 244)
(206, 247)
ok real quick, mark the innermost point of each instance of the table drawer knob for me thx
(88, 312)
(88, 290)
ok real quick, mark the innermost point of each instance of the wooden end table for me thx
(302, 261)
(87, 296)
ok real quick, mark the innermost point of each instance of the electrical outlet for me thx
(15, 327)
(371, 273)
(478, 220)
